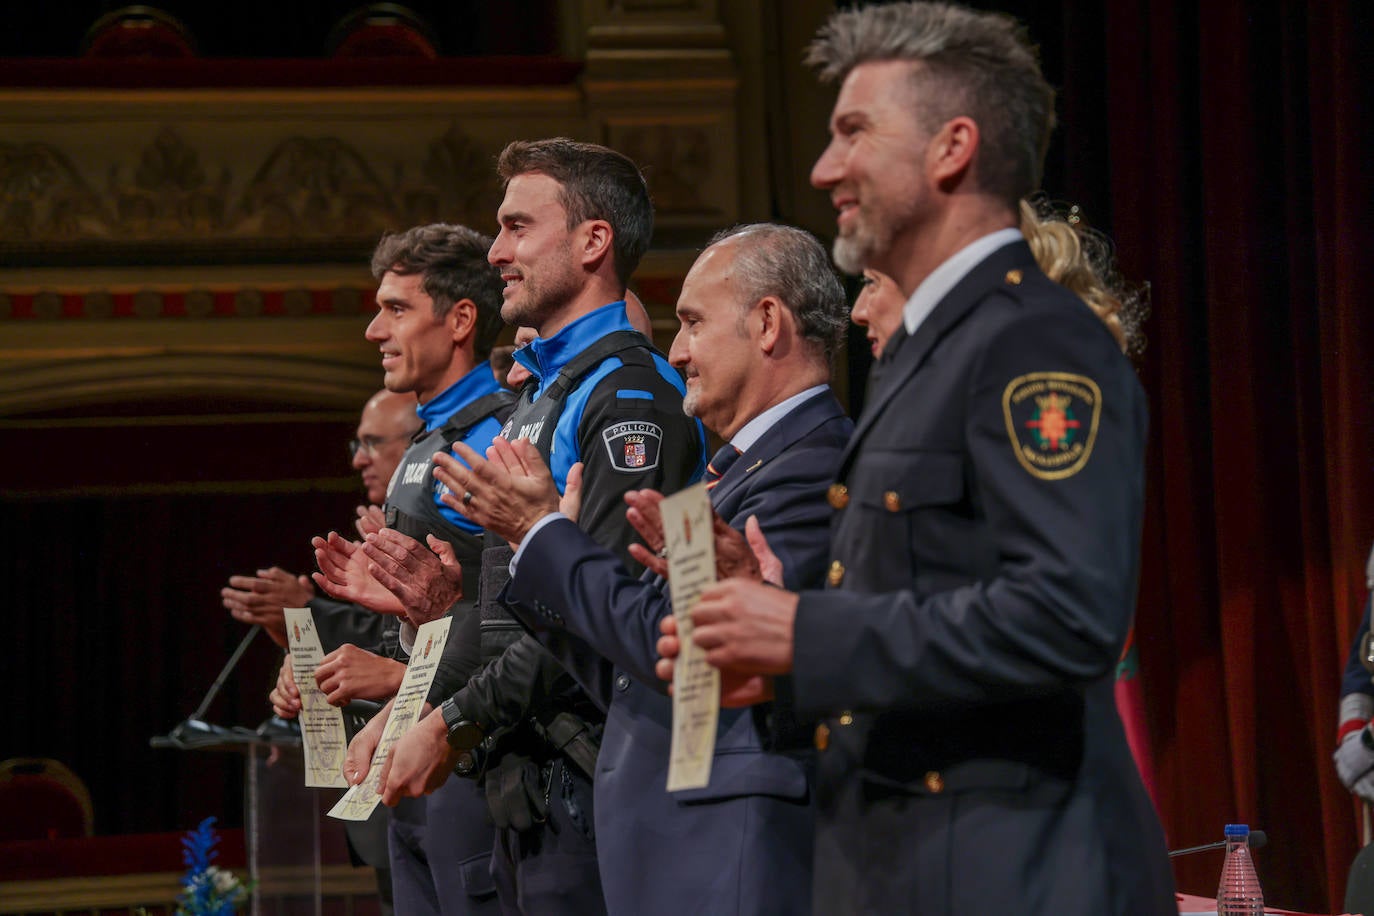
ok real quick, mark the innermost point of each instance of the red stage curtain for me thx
(1239, 146)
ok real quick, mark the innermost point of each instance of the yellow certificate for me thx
(322, 726)
(696, 685)
(359, 802)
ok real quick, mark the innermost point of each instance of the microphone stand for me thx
(193, 731)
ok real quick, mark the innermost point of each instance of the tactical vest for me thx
(568, 723)
(537, 422)
(410, 507)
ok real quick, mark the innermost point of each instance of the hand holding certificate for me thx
(689, 540)
(322, 727)
(359, 802)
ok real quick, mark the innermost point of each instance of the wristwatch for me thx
(463, 733)
(464, 736)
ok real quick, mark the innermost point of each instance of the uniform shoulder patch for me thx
(1052, 421)
(633, 445)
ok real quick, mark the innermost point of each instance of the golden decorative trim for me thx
(294, 418)
(193, 488)
(288, 379)
(160, 888)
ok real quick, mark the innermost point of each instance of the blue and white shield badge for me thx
(633, 446)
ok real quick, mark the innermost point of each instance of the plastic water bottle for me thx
(1239, 893)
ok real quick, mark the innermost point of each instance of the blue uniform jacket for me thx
(477, 383)
(504, 692)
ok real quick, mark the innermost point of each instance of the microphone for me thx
(1258, 838)
(194, 731)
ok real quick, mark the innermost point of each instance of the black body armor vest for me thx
(410, 507)
(537, 421)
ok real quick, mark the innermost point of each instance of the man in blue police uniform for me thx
(761, 315)
(575, 221)
(438, 314)
(985, 540)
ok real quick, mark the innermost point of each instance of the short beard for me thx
(546, 297)
(689, 403)
(852, 252)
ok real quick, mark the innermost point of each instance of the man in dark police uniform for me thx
(987, 515)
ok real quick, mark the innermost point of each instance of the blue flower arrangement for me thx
(206, 889)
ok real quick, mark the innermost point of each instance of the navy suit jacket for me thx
(984, 564)
(743, 843)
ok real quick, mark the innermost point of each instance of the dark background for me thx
(268, 29)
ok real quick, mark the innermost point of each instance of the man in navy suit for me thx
(985, 542)
(761, 315)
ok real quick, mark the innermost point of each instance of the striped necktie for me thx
(720, 464)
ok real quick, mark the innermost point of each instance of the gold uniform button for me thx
(822, 736)
(836, 574)
(846, 718)
(892, 501)
(1014, 277)
(935, 783)
(837, 496)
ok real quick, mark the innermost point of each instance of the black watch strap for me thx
(463, 733)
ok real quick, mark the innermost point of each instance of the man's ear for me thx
(596, 242)
(462, 319)
(950, 153)
(771, 315)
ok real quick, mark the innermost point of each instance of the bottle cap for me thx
(1237, 830)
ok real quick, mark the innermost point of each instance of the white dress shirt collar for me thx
(753, 431)
(947, 276)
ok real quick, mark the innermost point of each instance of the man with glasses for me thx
(375, 453)
(385, 426)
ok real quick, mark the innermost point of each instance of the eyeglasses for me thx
(369, 444)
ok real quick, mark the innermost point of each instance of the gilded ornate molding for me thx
(244, 301)
(302, 189)
(42, 197)
(161, 242)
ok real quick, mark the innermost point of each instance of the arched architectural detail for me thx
(286, 380)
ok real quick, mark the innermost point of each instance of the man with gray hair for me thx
(985, 543)
(761, 316)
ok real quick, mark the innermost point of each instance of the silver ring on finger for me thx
(467, 497)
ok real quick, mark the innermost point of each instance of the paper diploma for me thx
(358, 802)
(322, 726)
(696, 685)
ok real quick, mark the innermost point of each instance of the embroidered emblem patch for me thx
(633, 446)
(1052, 421)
